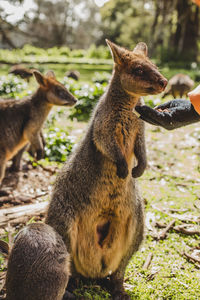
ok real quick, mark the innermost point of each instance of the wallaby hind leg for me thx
(36, 145)
(16, 161)
(2, 167)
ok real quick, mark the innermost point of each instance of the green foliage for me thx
(10, 85)
(88, 94)
(102, 77)
(98, 52)
(58, 144)
(31, 54)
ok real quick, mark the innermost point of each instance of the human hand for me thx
(170, 115)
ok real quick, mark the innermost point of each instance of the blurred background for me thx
(68, 37)
(170, 28)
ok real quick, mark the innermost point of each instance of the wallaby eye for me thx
(138, 71)
(59, 92)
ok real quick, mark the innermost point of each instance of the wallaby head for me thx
(138, 75)
(55, 92)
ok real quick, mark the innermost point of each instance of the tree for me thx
(170, 28)
(55, 23)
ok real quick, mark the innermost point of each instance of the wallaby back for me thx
(178, 86)
(95, 205)
(38, 265)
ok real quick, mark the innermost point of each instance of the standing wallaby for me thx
(95, 205)
(178, 86)
(38, 265)
(21, 121)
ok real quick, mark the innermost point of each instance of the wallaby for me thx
(73, 74)
(178, 86)
(21, 121)
(16, 160)
(95, 205)
(21, 71)
(38, 265)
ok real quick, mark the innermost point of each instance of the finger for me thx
(165, 105)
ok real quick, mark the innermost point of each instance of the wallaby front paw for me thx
(122, 169)
(137, 172)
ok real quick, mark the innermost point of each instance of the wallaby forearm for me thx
(140, 152)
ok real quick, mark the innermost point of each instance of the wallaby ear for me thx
(116, 52)
(40, 78)
(141, 47)
(51, 74)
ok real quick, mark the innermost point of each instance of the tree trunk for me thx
(184, 41)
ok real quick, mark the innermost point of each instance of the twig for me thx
(182, 229)
(50, 170)
(184, 218)
(192, 258)
(160, 225)
(162, 235)
(148, 261)
(21, 213)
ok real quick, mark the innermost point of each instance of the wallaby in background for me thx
(74, 74)
(95, 205)
(38, 265)
(178, 86)
(22, 71)
(21, 121)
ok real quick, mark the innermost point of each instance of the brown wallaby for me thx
(38, 265)
(95, 205)
(178, 86)
(73, 74)
(21, 121)
(21, 71)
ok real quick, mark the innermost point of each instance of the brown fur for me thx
(178, 86)
(21, 121)
(95, 205)
(38, 265)
(21, 71)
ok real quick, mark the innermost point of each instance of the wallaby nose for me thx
(163, 83)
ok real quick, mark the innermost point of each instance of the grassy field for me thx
(170, 188)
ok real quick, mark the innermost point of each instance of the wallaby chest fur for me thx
(95, 205)
(38, 265)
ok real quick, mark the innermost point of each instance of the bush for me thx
(98, 52)
(58, 145)
(10, 85)
(87, 94)
(101, 78)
